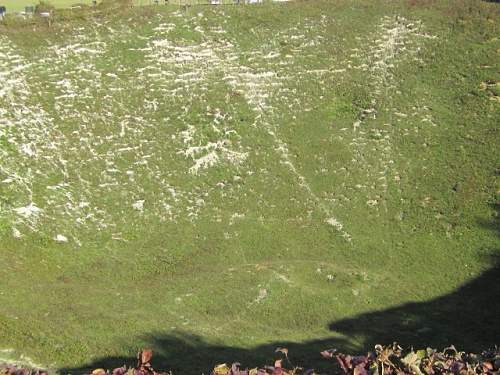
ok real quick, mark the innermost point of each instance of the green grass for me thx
(308, 119)
(19, 5)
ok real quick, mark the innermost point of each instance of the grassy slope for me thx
(202, 274)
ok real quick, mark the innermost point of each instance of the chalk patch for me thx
(61, 238)
(28, 211)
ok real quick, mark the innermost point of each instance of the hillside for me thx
(214, 182)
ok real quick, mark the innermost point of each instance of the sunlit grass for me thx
(244, 174)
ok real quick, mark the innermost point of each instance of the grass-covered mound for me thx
(225, 180)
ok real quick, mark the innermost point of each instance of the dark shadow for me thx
(189, 354)
(468, 318)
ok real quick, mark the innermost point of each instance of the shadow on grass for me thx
(189, 354)
(468, 318)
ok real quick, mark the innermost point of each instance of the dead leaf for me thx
(222, 369)
(120, 371)
(328, 354)
(146, 355)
